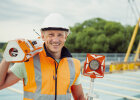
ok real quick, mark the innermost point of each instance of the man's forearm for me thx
(4, 65)
(82, 97)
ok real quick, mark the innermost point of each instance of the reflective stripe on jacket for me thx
(48, 80)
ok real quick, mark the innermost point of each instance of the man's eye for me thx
(60, 34)
(50, 34)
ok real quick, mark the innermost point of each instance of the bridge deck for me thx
(115, 86)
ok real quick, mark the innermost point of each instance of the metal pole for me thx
(137, 52)
(91, 92)
(132, 41)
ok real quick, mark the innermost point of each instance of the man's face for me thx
(54, 40)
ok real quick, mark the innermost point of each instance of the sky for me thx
(18, 18)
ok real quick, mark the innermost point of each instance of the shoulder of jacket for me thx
(77, 60)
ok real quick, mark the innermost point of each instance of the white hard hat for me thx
(55, 21)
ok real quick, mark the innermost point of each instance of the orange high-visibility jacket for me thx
(49, 80)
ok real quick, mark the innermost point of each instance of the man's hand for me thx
(77, 92)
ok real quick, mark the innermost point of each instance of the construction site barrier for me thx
(123, 66)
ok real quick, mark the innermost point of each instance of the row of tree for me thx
(2, 46)
(100, 36)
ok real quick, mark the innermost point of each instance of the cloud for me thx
(13, 30)
(19, 17)
(12, 10)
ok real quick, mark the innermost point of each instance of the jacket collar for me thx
(64, 52)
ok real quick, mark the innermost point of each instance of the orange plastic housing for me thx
(21, 50)
(98, 73)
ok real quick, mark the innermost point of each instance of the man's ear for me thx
(66, 35)
(42, 35)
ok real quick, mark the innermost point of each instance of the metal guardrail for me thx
(110, 57)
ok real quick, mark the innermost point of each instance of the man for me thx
(52, 74)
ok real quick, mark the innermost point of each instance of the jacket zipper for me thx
(56, 81)
(56, 67)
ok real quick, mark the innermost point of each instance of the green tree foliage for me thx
(100, 36)
(2, 46)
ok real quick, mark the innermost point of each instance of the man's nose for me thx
(55, 39)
